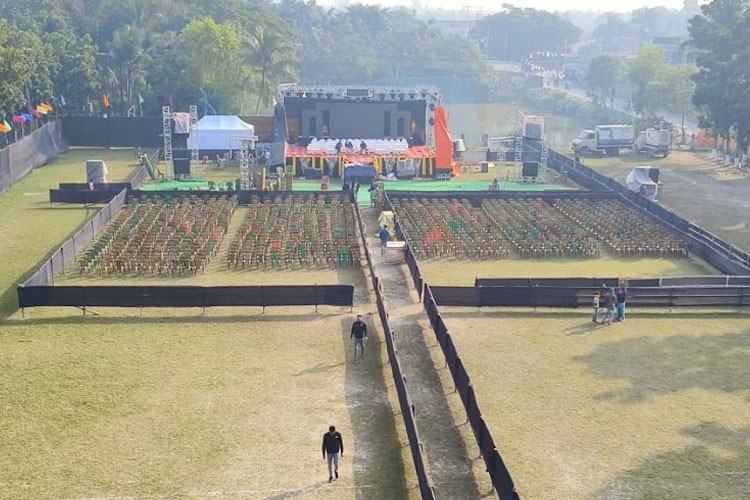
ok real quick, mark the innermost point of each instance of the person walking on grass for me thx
(384, 236)
(595, 305)
(333, 447)
(609, 302)
(359, 334)
(622, 296)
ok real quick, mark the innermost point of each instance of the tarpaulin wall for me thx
(97, 131)
(34, 150)
(443, 140)
(408, 410)
(185, 296)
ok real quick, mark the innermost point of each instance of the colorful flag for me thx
(46, 107)
(35, 113)
(5, 127)
(62, 101)
(18, 119)
(27, 117)
(41, 110)
(105, 101)
(140, 98)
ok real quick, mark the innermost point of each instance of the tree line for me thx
(227, 56)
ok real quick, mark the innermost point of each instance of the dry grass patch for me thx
(652, 408)
(174, 404)
(455, 272)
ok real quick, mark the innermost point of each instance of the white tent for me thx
(220, 133)
(639, 181)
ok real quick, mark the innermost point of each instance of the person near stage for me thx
(339, 145)
(333, 447)
(384, 236)
(91, 184)
(622, 296)
(363, 147)
(349, 146)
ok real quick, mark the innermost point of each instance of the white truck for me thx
(604, 140)
(654, 142)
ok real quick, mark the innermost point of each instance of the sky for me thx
(551, 5)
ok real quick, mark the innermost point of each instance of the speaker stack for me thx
(530, 171)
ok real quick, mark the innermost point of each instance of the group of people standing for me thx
(612, 301)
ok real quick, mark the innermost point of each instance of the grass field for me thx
(454, 272)
(174, 404)
(656, 407)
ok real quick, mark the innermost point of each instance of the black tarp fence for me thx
(578, 296)
(185, 296)
(36, 149)
(499, 474)
(678, 281)
(119, 131)
(70, 248)
(408, 410)
(498, 471)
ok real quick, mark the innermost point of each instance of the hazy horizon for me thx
(550, 5)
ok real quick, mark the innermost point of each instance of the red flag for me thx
(105, 101)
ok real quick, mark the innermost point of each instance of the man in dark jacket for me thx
(332, 446)
(359, 334)
(622, 296)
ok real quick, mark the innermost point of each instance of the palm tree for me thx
(126, 57)
(274, 56)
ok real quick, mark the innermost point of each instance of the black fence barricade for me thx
(426, 489)
(499, 474)
(18, 159)
(30, 295)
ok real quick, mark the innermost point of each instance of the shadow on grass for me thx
(187, 319)
(377, 458)
(715, 465)
(710, 362)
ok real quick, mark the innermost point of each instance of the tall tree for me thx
(648, 75)
(722, 37)
(274, 58)
(605, 71)
(515, 33)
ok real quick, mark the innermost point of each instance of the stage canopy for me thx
(220, 133)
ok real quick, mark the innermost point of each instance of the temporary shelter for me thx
(220, 133)
(644, 180)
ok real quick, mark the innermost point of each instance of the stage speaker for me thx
(530, 169)
(181, 167)
(493, 156)
(654, 174)
(277, 152)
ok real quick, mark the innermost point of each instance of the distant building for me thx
(673, 48)
(456, 27)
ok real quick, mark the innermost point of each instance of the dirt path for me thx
(218, 262)
(448, 461)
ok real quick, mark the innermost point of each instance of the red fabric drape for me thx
(443, 140)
